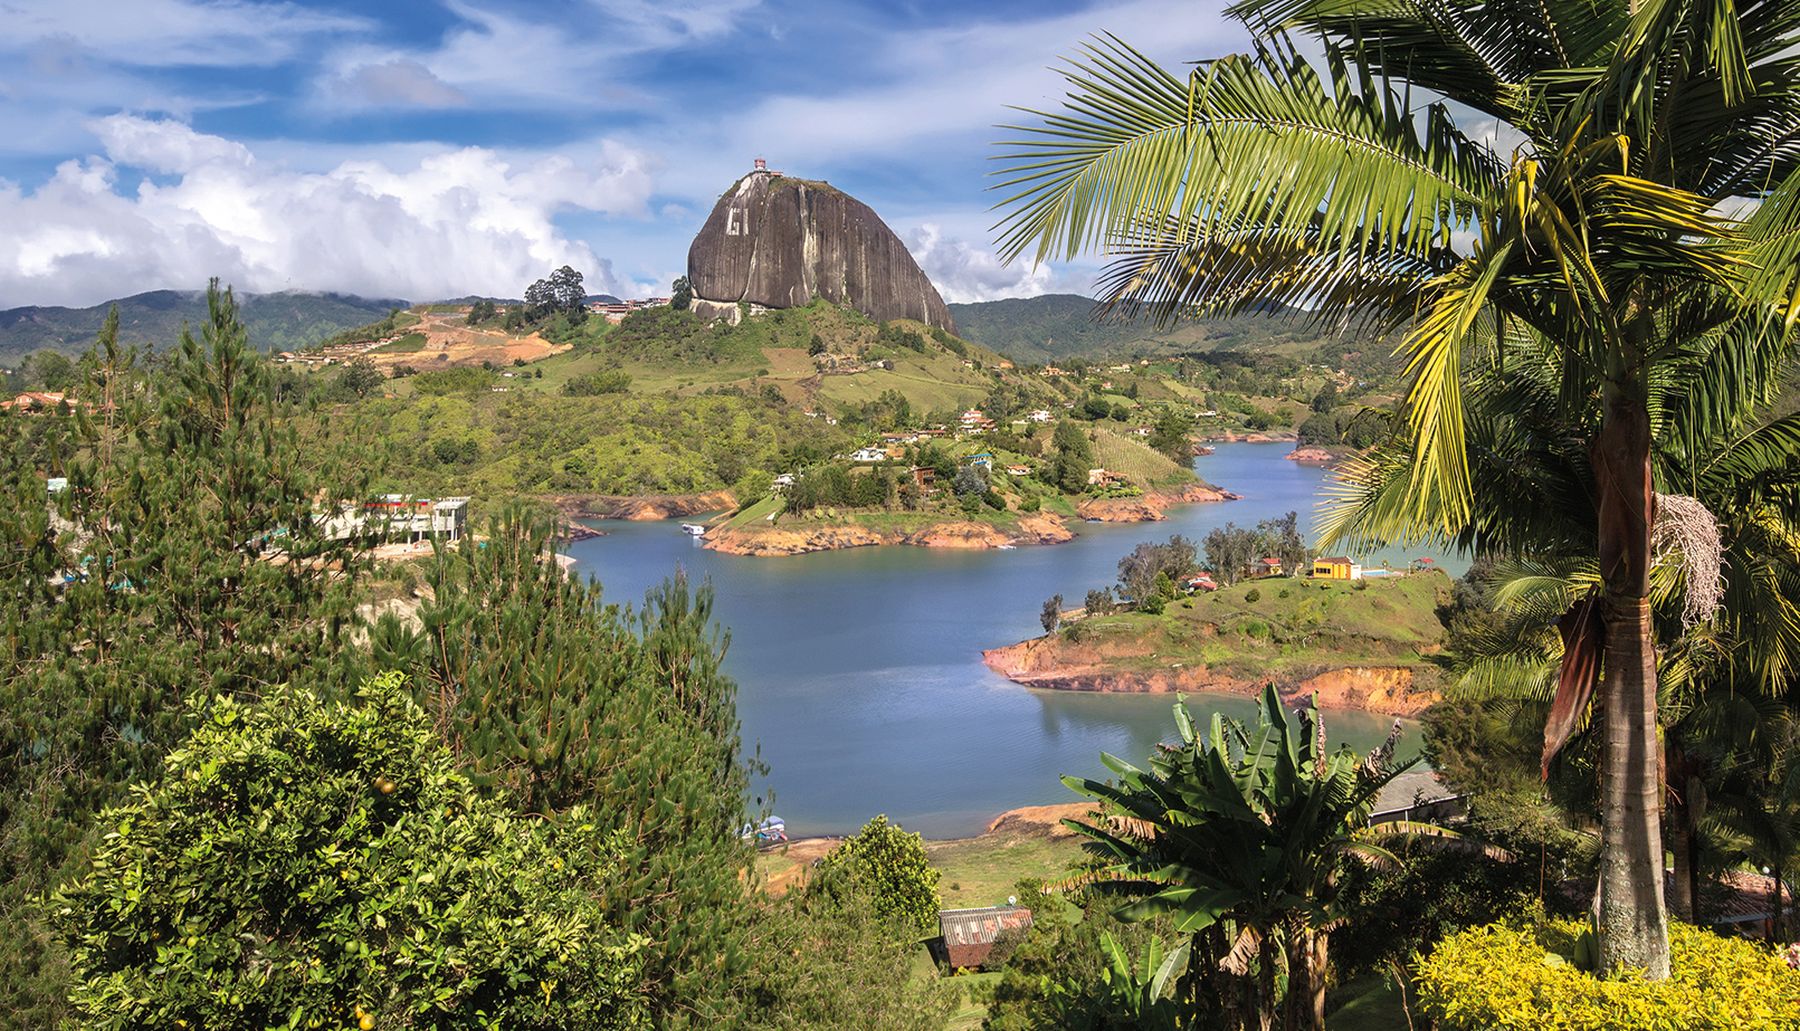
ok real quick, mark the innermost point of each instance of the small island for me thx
(1308, 626)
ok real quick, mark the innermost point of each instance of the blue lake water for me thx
(860, 676)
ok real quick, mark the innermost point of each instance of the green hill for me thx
(1062, 326)
(277, 322)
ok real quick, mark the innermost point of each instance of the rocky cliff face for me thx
(780, 242)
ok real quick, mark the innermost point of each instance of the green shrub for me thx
(1505, 977)
(453, 381)
(306, 864)
(889, 866)
(1252, 596)
(606, 381)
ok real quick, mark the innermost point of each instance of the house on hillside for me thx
(1336, 567)
(924, 477)
(967, 936)
(1018, 470)
(869, 454)
(1267, 566)
(1039, 415)
(783, 482)
(400, 517)
(1104, 478)
(984, 460)
(1200, 582)
(37, 402)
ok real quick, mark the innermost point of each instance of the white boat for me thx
(1007, 547)
(693, 529)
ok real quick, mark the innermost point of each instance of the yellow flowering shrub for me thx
(1507, 978)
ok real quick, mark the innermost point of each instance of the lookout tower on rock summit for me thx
(775, 241)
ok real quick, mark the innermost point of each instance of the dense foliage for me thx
(303, 864)
(531, 442)
(889, 866)
(1243, 838)
(566, 702)
(145, 585)
(1508, 978)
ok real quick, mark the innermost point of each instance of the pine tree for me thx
(185, 558)
(539, 686)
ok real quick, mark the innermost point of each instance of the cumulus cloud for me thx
(964, 273)
(452, 222)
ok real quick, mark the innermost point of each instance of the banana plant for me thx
(1241, 836)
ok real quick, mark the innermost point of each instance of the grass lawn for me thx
(982, 871)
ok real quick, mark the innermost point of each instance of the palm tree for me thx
(1573, 172)
(1242, 837)
(1722, 681)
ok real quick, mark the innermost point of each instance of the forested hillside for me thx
(1057, 327)
(277, 322)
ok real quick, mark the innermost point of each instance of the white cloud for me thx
(453, 222)
(168, 33)
(963, 273)
(911, 87)
(397, 82)
(165, 147)
(497, 59)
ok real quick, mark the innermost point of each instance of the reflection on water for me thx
(860, 671)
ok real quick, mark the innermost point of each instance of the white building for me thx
(399, 517)
(869, 454)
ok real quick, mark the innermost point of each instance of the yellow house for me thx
(1336, 568)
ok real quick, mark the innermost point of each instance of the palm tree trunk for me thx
(1634, 928)
(1317, 960)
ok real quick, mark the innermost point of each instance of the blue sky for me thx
(430, 148)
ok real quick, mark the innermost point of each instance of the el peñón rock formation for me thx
(778, 242)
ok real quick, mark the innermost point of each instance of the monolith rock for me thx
(774, 241)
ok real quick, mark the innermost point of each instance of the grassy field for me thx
(983, 871)
(1281, 626)
(932, 382)
(1125, 454)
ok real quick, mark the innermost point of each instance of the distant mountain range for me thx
(277, 322)
(1061, 326)
(1030, 329)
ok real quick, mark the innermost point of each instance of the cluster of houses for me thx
(615, 313)
(38, 402)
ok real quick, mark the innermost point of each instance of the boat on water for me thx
(1007, 547)
(693, 529)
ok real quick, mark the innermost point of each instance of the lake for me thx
(860, 676)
